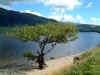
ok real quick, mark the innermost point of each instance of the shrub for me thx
(29, 55)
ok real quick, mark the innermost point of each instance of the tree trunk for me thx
(40, 61)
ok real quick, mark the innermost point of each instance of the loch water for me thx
(11, 48)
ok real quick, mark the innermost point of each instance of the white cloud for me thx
(95, 20)
(65, 4)
(9, 2)
(56, 17)
(67, 18)
(79, 19)
(59, 9)
(6, 7)
(31, 12)
(61, 17)
(62, 10)
(89, 5)
(60, 4)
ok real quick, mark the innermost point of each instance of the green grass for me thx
(89, 64)
(96, 67)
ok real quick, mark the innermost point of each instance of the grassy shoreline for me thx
(89, 64)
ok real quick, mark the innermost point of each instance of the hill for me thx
(11, 18)
(88, 28)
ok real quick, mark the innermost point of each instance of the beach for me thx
(54, 65)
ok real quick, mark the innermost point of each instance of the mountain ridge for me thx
(12, 18)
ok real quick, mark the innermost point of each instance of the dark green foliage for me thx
(81, 69)
(55, 32)
(29, 55)
(52, 58)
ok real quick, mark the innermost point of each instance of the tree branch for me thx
(49, 50)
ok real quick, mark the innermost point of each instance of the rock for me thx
(75, 59)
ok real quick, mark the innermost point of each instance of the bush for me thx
(52, 58)
(29, 55)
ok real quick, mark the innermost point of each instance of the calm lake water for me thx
(11, 48)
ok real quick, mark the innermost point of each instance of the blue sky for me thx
(79, 11)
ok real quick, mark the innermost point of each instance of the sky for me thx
(78, 11)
